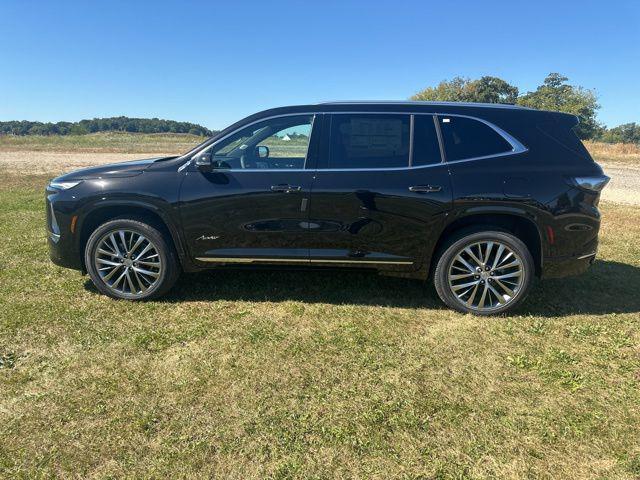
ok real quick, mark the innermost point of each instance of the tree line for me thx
(555, 93)
(112, 124)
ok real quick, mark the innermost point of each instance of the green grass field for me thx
(116, 142)
(313, 375)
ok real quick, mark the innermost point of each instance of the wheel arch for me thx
(148, 213)
(520, 225)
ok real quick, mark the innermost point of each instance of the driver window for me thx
(277, 143)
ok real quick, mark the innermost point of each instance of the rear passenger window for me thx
(469, 138)
(426, 150)
(369, 141)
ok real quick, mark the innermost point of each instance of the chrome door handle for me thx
(425, 188)
(285, 188)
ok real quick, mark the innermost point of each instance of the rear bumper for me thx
(567, 266)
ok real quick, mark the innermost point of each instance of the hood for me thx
(111, 170)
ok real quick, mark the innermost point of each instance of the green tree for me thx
(114, 124)
(556, 94)
(625, 133)
(486, 89)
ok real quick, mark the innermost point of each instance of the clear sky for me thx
(214, 62)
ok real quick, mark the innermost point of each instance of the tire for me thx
(506, 280)
(149, 275)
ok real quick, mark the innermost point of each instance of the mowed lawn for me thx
(313, 374)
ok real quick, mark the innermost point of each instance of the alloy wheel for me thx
(486, 275)
(127, 262)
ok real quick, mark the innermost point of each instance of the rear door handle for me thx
(425, 188)
(285, 188)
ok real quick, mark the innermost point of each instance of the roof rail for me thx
(421, 102)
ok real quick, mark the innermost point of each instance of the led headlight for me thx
(63, 185)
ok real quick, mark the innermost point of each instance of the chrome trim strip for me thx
(517, 147)
(249, 260)
(296, 260)
(378, 262)
(587, 255)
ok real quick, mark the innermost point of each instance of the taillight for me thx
(593, 183)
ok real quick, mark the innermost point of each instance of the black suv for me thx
(480, 197)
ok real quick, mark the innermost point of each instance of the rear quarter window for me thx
(465, 138)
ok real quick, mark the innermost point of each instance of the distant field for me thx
(116, 142)
(615, 152)
(112, 142)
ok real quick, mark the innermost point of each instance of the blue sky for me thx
(215, 62)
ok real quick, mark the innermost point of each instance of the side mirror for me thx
(203, 160)
(262, 151)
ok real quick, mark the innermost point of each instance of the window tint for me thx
(272, 144)
(426, 150)
(369, 141)
(469, 138)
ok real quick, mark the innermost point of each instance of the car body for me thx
(387, 186)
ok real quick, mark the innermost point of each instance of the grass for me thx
(627, 153)
(313, 375)
(111, 142)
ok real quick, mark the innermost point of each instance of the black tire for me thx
(168, 274)
(456, 246)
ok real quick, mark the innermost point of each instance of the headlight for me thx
(64, 185)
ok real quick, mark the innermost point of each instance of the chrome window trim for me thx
(516, 145)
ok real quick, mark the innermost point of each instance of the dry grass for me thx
(313, 375)
(110, 142)
(627, 153)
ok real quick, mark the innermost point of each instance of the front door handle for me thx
(425, 188)
(285, 188)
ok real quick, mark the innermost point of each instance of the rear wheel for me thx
(484, 273)
(131, 260)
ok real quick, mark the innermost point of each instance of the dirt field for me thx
(623, 188)
(625, 183)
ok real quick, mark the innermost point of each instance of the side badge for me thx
(208, 237)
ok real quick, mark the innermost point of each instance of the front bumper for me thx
(60, 252)
(60, 239)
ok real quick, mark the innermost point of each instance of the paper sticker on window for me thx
(375, 133)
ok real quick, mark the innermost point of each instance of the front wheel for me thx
(484, 273)
(132, 260)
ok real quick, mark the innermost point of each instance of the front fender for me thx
(96, 211)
